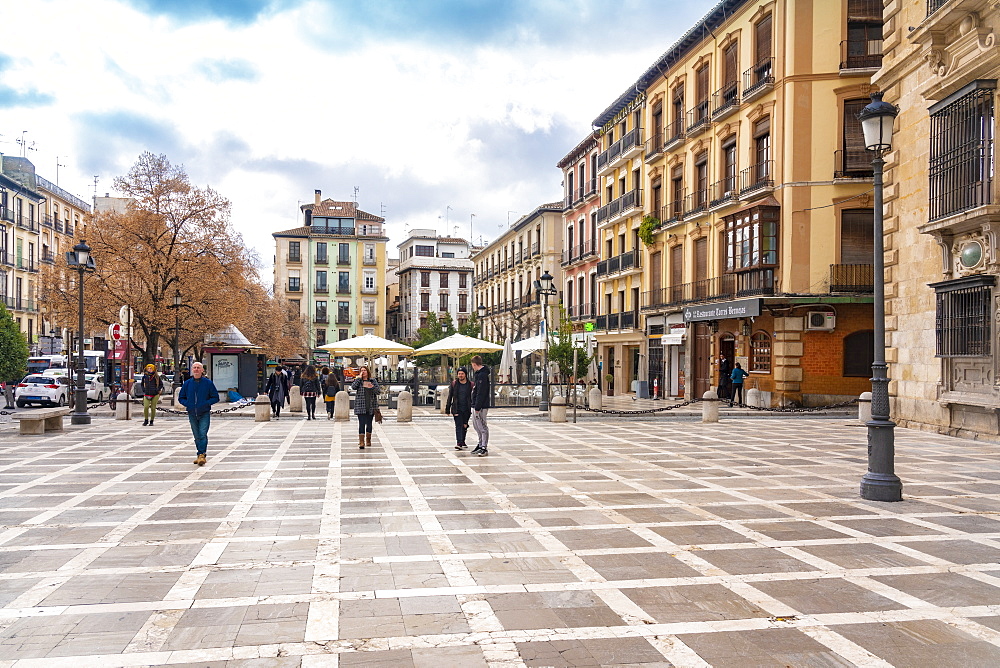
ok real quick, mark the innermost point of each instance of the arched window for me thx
(760, 351)
(859, 353)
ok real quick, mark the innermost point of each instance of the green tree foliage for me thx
(561, 349)
(13, 348)
(471, 327)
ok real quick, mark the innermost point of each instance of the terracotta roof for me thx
(294, 232)
(333, 208)
(451, 240)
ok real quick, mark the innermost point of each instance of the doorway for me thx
(610, 370)
(701, 367)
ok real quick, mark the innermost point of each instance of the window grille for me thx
(963, 318)
(961, 162)
(760, 352)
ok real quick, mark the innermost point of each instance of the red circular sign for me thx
(115, 332)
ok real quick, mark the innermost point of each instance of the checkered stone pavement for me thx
(612, 542)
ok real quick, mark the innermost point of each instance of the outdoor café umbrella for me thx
(507, 362)
(368, 345)
(457, 345)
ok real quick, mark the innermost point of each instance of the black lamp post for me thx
(481, 314)
(881, 482)
(81, 260)
(544, 287)
(177, 337)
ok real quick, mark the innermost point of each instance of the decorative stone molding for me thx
(760, 111)
(974, 252)
(724, 130)
(730, 37)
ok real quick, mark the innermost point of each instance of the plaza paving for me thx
(650, 541)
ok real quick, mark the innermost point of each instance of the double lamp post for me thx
(82, 261)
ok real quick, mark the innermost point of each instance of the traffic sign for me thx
(116, 332)
(125, 315)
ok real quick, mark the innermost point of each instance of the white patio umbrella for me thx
(458, 345)
(508, 365)
(529, 345)
(368, 345)
(592, 369)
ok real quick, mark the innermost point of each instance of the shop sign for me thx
(741, 308)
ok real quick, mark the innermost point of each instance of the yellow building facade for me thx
(941, 67)
(744, 195)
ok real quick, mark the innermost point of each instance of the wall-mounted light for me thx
(714, 326)
(746, 328)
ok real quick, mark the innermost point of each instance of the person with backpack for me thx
(460, 406)
(331, 385)
(152, 388)
(737, 387)
(482, 397)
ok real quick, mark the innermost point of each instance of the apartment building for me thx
(332, 269)
(941, 68)
(580, 252)
(507, 267)
(736, 193)
(435, 276)
(21, 204)
(392, 299)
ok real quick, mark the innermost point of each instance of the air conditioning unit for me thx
(821, 321)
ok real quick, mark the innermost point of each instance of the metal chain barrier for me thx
(160, 409)
(811, 409)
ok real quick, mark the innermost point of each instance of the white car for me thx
(96, 389)
(44, 390)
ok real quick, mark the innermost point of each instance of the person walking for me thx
(276, 390)
(331, 385)
(460, 406)
(365, 403)
(725, 376)
(481, 398)
(310, 390)
(737, 387)
(152, 388)
(198, 394)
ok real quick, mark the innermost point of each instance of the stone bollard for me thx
(443, 392)
(342, 406)
(865, 408)
(120, 406)
(753, 397)
(404, 407)
(295, 399)
(710, 407)
(262, 408)
(595, 399)
(557, 409)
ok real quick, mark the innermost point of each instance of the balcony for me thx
(673, 134)
(69, 229)
(25, 264)
(855, 163)
(627, 261)
(6, 259)
(293, 287)
(321, 319)
(26, 223)
(626, 147)
(47, 220)
(369, 319)
(343, 289)
(861, 54)
(654, 146)
(579, 252)
(698, 118)
(323, 288)
(19, 304)
(751, 283)
(343, 261)
(534, 249)
(341, 230)
(722, 192)
(617, 207)
(852, 278)
(370, 261)
(293, 258)
(696, 202)
(48, 257)
(343, 318)
(590, 189)
(57, 225)
(616, 321)
(757, 178)
(373, 290)
(322, 259)
(725, 101)
(934, 5)
(583, 311)
(673, 212)
(759, 79)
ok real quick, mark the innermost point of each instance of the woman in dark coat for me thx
(365, 403)
(277, 389)
(460, 406)
(310, 390)
(330, 388)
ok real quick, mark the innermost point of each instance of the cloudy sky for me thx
(421, 105)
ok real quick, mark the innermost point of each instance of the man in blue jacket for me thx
(198, 394)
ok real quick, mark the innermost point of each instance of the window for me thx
(761, 170)
(369, 253)
(451, 255)
(463, 303)
(752, 238)
(295, 251)
(729, 165)
(425, 251)
(425, 279)
(855, 160)
(963, 319)
(677, 192)
(463, 280)
(443, 279)
(320, 337)
(344, 282)
(321, 311)
(676, 273)
(321, 255)
(369, 281)
(344, 254)
(443, 302)
(296, 306)
(341, 334)
(864, 35)
(760, 351)
(368, 312)
(701, 179)
(294, 281)
(321, 285)
(859, 354)
(857, 236)
(701, 93)
(343, 312)
(762, 45)
(961, 162)
(677, 112)
(425, 302)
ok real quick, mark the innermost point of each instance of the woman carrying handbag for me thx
(331, 385)
(365, 405)
(310, 390)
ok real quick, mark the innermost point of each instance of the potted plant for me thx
(610, 380)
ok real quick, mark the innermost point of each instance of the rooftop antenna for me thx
(381, 206)
(508, 217)
(471, 216)
(446, 217)
(356, 189)
(58, 165)
(96, 179)
(25, 145)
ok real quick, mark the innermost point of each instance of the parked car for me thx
(44, 390)
(96, 389)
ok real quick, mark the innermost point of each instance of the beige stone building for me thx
(941, 67)
(21, 210)
(506, 268)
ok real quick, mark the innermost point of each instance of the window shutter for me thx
(763, 37)
(731, 63)
(676, 265)
(855, 155)
(701, 259)
(703, 84)
(857, 236)
(655, 271)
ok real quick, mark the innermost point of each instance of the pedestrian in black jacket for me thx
(460, 406)
(482, 396)
(276, 390)
(310, 390)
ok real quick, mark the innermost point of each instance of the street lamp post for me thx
(177, 338)
(880, 483)
(481, 314)
(544, 287)
(80, 259)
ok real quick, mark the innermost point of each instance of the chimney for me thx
(319, 195)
